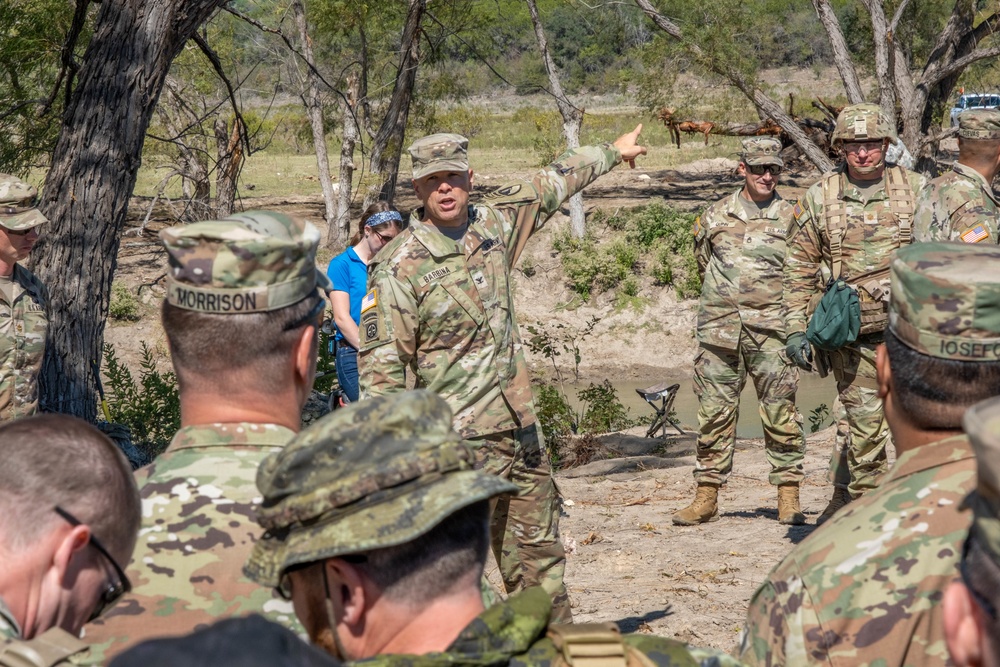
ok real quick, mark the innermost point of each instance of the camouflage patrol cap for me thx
(18, 204)
(982, 425)
(979, 124)
(256, 261)
(863, 122)
(761, 150)
(439, 152)
(945, 300)
(376, 474)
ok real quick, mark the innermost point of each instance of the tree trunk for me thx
(229, 147)
(388, 144)
(571, 115)
(90, 181)
(883, 67)
(841, 54)
(314, 109)
(812, 152)
(350, 108)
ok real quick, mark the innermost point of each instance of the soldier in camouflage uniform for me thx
(960, 205)
(970, 605)
(740, 246)
(241, 316)
(375, 523)
(866, 588)
(23, 322)
(69, 514)
(440, 306)
(847, 226)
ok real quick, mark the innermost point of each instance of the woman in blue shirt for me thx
(349, 273)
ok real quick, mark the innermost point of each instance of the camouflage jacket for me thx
(871, 236)
(9, 628)
(957, 206)
(445, 310)
(198, 529)
(513, 633)
(22, 345)
(865, 589)
(741, 261)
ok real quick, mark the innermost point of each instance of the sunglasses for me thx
(857, 146)
(382, 237)
(309, 317)
(759, 169)
(113, 591)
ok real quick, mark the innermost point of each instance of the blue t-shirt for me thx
(349, 274)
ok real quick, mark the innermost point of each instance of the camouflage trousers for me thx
(859, 457)
(719, 377)
(524, 529)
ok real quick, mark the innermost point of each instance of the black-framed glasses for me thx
(308, 318)
(382, 237)
(760, 169)
(284, 587)
(113, 591)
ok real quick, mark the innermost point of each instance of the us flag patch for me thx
(369, 301)
(975, 235)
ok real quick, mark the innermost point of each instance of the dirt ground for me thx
(626, 561)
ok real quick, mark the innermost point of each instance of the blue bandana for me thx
(383, 216)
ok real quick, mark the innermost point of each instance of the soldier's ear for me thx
(305, 357)
(470, 179)
(962, 632)
(883, 371)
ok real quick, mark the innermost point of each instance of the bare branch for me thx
(841, 52)
(66, 56)
(894, 24)
(217, 66)
(882, 40)
(959, 64)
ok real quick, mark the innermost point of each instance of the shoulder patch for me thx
(797, 211)
(371, 327)
(505, 191)
(697, 226)
(976, 234)
(370, 300)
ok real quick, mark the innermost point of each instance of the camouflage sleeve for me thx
(388, 333)
(802, 265)
(702, 249)
(926, 223)
(774, 633)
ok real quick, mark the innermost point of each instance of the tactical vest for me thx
(594, 645)
(52, 647)
(872, 286)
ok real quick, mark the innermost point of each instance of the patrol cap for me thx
(251, 262)
(376, 474)
(979, 124)
(982, 425)
(439, 152)
(18, 204)
(761, 150)
(945, 300)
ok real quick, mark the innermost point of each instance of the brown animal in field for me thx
(667, 116)
(696, 126)
(769, 127)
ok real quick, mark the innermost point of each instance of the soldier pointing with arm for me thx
(440, 306)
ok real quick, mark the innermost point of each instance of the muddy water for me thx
(813, 392)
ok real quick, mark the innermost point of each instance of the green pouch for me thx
(837, 320)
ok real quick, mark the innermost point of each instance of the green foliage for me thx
(124, 306)
(818, 417)
(555, 416)
(591, 267)
(150, 407)
(603, 412)
(558, 340)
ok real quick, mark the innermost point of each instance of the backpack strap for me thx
(901, 202)
(835, 220)
(589, 644)
(48, 649)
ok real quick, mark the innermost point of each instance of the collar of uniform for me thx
(505, 629)
(850, 191)
(736, 206)
(971, 173)
(26, 280)
(225, 434)
(949, 450)
(437, 244)
(8, 624)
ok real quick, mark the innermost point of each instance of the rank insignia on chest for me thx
(975, 235)
(369, 301)
(480, 280)
(427, 278)
(871, 218)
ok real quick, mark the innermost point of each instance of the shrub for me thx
(602, 411)
(150, 407)
(124, 305)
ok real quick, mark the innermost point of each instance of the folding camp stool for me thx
(661, 397)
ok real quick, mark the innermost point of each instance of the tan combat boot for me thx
(841, 497)
(703, 509)
(789, 512)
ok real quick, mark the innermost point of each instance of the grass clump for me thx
(124, 307)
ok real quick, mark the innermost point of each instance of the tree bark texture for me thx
(841, 54)
(388, 144)
(883, 54)
(808, 147)
(229, 147)
(571, 115)
(92, 175)
(314, 109)
(351, 134)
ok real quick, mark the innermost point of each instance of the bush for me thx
(591, 268)
(602, 411)
(124, 306)
(151, 407)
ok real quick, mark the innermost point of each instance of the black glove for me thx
(799, 352)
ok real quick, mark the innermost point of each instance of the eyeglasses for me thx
(867, 146)
(113, 591)
(19, 232)
(284, 587)
(382, 237)
(759, 169)
(308, 318)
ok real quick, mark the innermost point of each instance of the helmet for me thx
(863, 122)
